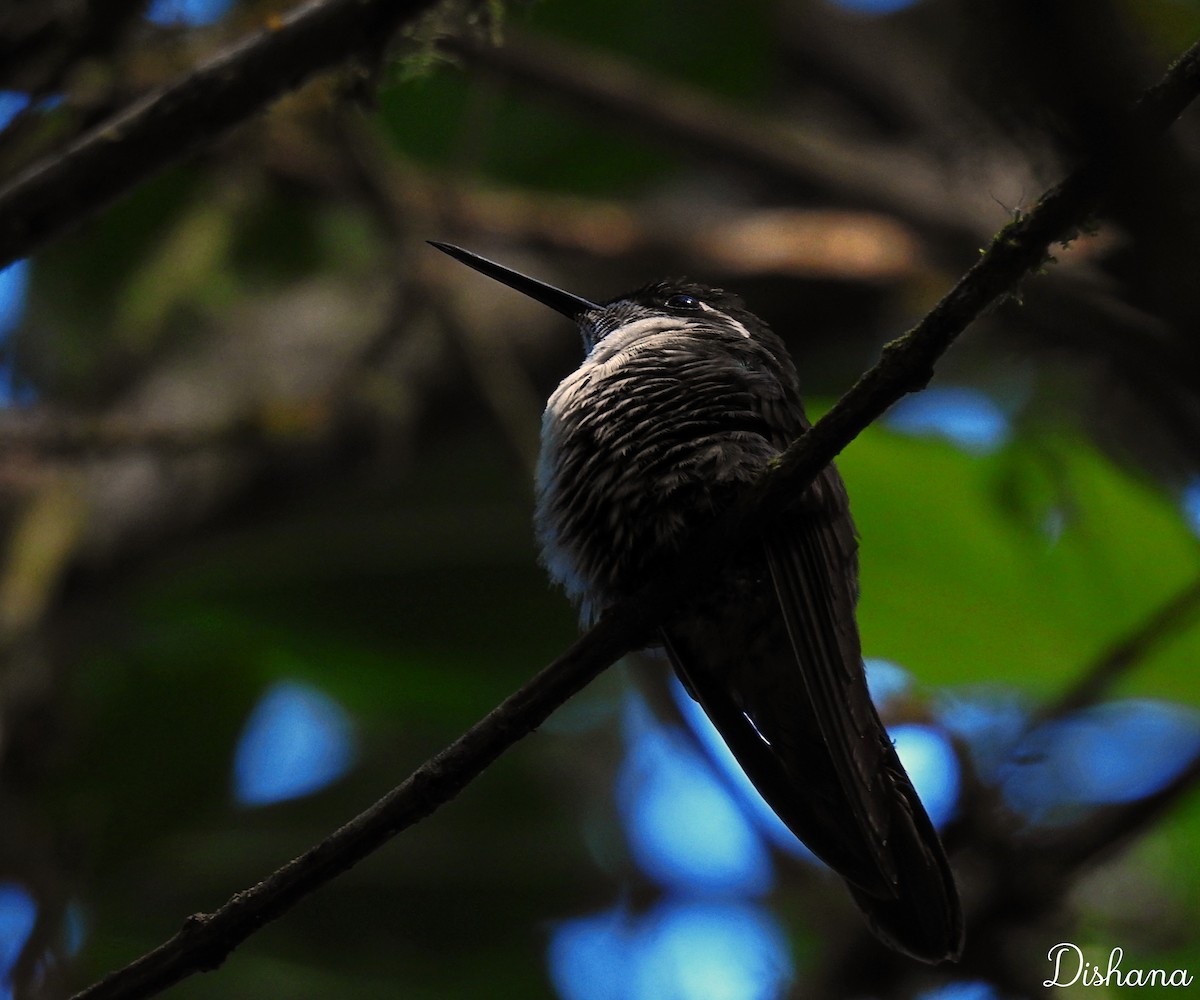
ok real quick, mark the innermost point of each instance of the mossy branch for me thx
(115, 156)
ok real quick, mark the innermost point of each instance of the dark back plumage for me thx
(676, 406)
(683, 399)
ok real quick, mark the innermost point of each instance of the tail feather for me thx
(773, 658)
(923, 918)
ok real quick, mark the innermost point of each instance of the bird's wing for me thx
(776, 664)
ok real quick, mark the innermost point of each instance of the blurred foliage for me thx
(1017, 544)
(306, 458)
(513, 141)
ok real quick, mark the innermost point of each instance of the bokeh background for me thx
(265, 492)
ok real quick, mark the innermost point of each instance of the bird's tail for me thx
(778, 672)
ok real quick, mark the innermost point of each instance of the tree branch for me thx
(1170, 618)
(206, 939)
(888, 177)
(118, 154)
(906, 365)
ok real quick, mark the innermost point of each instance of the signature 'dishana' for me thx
(1071, 969)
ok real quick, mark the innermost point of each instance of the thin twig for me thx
(1165, 621)
(1089, 842)
(206, 939)
(52, 433)
(121, 152)
(888, 177)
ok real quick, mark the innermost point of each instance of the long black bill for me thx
(571, 306)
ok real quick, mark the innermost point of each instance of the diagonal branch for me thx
(891, 178)
(1172, 617)
(906, 365)
(206, 939)
(121, 152)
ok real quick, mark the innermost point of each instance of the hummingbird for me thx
(682, 400)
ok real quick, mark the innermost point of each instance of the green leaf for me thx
(1020, 567)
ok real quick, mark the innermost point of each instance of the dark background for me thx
(257, 433)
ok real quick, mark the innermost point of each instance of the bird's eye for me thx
(683, 302)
